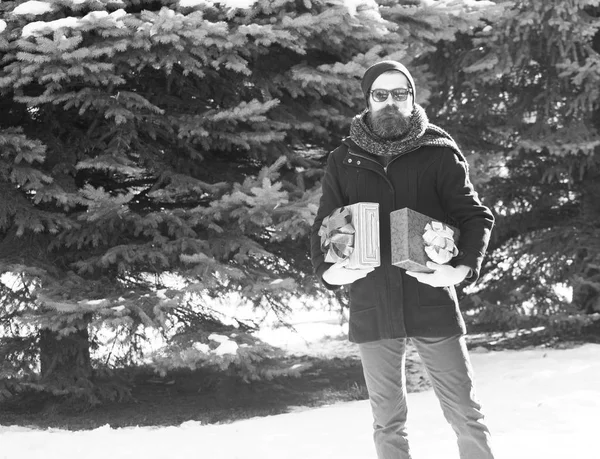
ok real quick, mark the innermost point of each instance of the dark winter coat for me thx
(432, 180)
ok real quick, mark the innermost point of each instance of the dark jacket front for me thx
(434, 181)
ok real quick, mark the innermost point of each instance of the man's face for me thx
(391, 118)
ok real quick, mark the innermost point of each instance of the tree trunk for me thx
(586, 282)
(65, 358)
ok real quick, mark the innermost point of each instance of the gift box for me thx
(417, 239)
(365, 219)
(352, 233)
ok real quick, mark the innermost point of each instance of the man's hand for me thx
(338, 274)
(442, 275)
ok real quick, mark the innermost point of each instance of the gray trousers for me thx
(449, 368)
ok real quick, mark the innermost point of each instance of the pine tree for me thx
(523, 93)
(158, 155)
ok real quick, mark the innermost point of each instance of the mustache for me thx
(389, 109)
(386, 112)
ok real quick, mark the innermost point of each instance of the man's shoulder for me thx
(341, 149)
(339, 153)
(442, 153)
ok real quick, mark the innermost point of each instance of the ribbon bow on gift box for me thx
(439, 242)
(337, 235)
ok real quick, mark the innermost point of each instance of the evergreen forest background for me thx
(157, 157)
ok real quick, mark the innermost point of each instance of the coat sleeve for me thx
(332, 198)
(462, 204)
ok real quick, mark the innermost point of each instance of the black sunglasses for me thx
(399, 94)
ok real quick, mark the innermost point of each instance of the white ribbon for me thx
(439, 242)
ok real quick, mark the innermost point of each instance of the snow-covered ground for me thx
(539, 403)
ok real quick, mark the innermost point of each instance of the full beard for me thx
(388, 123)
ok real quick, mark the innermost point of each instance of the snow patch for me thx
(539, 403)
(33, 7)
(218, 338)
(229, 3)
(227, 347)
(201, 347)
(42, 27)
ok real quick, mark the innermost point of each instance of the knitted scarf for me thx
(420, 133)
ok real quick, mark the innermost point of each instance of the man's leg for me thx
(449, 367)
(383, 367)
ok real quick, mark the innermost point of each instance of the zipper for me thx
(360, 155)
(390, 313)
(387, 273)
(385, 168)
(378, 169)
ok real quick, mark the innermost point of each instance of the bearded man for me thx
(396, 158)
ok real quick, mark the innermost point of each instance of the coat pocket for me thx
(431, 297)
(363, 296)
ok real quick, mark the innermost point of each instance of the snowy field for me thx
(539, 404)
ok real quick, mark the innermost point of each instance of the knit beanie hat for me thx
(381, 67)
